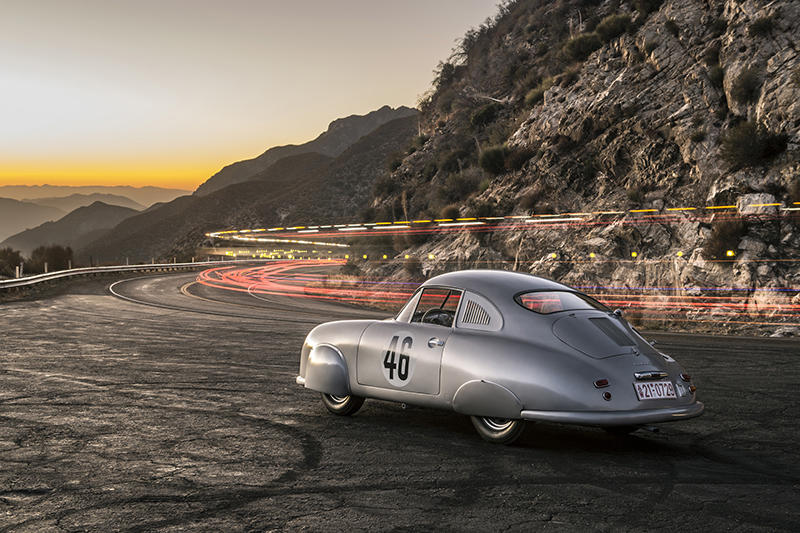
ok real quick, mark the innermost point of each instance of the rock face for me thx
(645, 125)
(340, 135)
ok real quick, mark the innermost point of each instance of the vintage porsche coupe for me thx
(502, 347)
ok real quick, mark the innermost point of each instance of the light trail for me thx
(288, 278)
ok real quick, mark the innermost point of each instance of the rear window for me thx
(546, 302)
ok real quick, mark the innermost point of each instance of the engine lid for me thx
(595, 335)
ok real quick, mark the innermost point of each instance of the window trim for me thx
(440, 287)
(600, 306)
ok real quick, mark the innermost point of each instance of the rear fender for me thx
(326, 371)
(484, 398)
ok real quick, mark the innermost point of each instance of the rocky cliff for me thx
(669, 132)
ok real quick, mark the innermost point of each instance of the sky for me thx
(166, 92)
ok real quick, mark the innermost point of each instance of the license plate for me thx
(654, 390)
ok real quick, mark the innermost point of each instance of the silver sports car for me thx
(503, 348)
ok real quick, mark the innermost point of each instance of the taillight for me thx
(686, 377)
(600, 383)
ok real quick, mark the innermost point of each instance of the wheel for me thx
(621, 430)
(342, 405)
(498, 430)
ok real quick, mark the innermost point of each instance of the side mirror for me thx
(618, 312)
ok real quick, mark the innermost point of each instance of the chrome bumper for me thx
(616, 418)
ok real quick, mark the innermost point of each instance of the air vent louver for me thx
(475, 314)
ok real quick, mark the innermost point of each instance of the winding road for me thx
(160, 403)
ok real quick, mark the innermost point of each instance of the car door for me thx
(407, 356)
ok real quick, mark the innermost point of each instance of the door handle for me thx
(433, 342)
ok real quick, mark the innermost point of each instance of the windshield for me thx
(546, 302)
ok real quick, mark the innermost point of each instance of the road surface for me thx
(173, 406)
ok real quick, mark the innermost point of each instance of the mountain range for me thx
(76, 229)
(145, 196)
(16, 216)
(331, 176)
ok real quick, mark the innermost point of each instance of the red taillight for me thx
(686, 377)
(600, 383)
(607, 396)
(692, 388)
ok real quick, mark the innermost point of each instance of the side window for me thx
(437, 306)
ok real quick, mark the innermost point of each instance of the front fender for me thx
(484, 398)
(326, 371)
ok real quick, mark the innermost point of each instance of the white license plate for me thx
(654, 390)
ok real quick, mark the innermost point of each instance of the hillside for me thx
(660, 108)
(300, 187)
(76, 229)
(145, 196)
(74, 201)
(341, 134)
(16, 216)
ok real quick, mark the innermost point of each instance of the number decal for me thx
(397, 367)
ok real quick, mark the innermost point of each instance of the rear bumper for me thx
(617, 418)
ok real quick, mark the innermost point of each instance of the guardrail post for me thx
(16, 271)
(69, 264)
(45, 267)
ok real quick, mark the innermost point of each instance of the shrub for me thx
(645, 7)
(579, 47)
(612, 27)
(493, 159)
(484, 115)
(698, 136)
(716, 75)
(413, 266)
(635, 194)
(649, 46)
(745, 88)
(385, 186)
(350, 269)
(395, 163)
(718, 27)
(518, 156)
(461, 185)
(429, 170)
(568, 77)
(711, 55)
(57, 258)
(482, 208)
(671, 26)
(748, 144)
(794, 190)
(761, 26)
(450, 211)
(725, 235)
(536, 94)
(9, 260)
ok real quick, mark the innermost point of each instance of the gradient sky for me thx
(166, 92)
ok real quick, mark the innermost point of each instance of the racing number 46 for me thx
(399, 364)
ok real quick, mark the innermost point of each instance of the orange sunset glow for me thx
(155, 93)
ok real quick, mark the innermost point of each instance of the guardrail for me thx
(75, 272)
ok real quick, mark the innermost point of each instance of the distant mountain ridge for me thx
(309, 187)
(16, 216)
(74, 201)
(145, 196)
(341, 134)
(76, 229)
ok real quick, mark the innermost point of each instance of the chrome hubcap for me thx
(338, 399)
(497, 424)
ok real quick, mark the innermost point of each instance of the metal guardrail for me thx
(157, 267)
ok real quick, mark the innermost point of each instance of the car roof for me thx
(494, 283)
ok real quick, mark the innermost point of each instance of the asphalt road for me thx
(181, 413)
